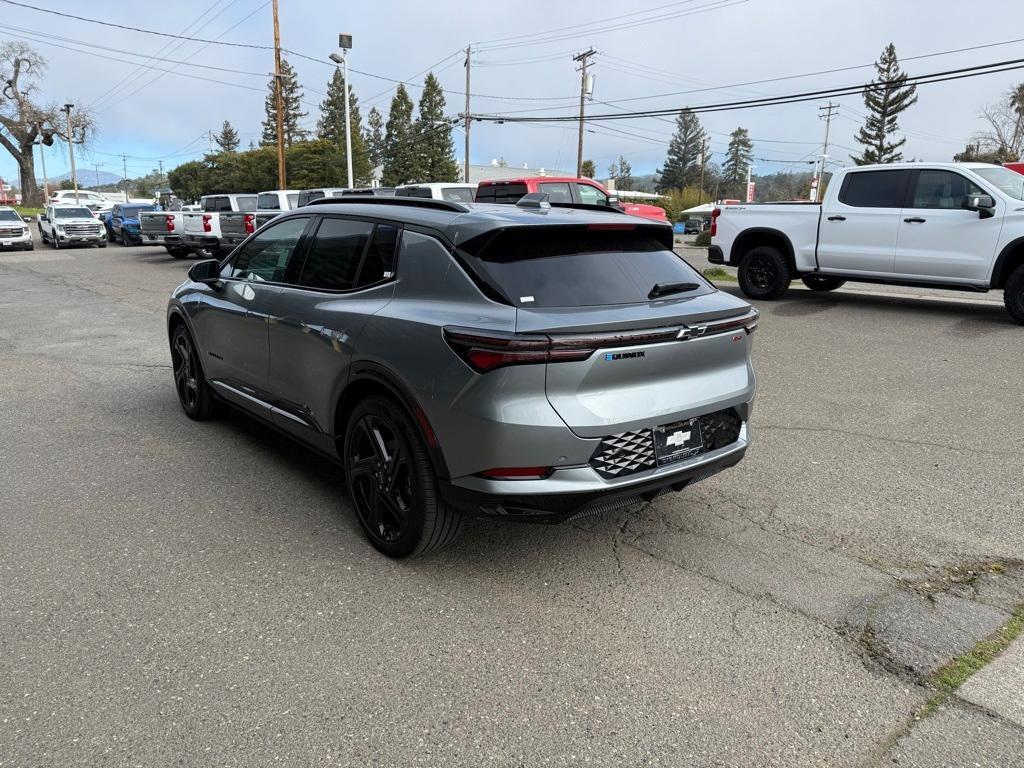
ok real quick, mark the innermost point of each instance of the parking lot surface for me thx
(191, 593)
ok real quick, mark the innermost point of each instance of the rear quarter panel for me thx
(798, 223)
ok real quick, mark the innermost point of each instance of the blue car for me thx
(122, 223)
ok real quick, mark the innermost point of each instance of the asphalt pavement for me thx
(182, 593)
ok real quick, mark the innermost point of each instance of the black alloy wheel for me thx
(764, 273)
(381, 478)
(392, 483)
(1013, 295)
(193, 394)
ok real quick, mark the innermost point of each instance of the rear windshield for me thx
(500, 193)
(414, 192)
(309, 195)
(135, 210)
(268, 202)
(247, 203)
(458, 194)
(1009, 182)
(574, 266)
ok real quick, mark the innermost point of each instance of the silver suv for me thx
(529, 362)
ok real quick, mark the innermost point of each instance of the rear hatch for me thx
(664, 344)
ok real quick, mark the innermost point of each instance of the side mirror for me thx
(27, 219)
(206, 271)
(613, 201)
(983, 204)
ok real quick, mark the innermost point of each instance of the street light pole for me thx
(71, 150)
(345, 43)
(46, 183)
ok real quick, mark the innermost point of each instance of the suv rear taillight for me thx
(250, 223)
(169, 223)
(714, 220)
(207, 226)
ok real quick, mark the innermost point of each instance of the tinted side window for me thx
(942, 189)
(266, 256)
(485, 195)
(558, 191)
(413, 192)
(333, 260)
(875, 189)
(592, 195)
(501, 193)
(379, 263)
(268, 201)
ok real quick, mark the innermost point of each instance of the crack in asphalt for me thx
(884, 439)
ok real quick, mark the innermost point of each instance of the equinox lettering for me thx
(622, 355)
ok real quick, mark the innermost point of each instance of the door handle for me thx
(915, 220)
(837, 218)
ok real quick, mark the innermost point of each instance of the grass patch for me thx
(950, 677)
(23, 211)
(717, 273)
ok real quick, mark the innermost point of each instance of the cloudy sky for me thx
(676, 53)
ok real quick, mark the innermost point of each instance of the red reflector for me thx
(428, 432)
(516, 473)
(611, 226)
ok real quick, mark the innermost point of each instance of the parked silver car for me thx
(525, 362)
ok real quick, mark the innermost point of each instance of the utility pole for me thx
(469, 121)
(279, 98)
(97, 167)
(825, 113)
(71, 150)
(584, 60)
(124, 166)
(46, 183)
(161, 164)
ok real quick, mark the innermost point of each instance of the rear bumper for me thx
(230, 241)
(582, 492)
(204, 241)
(715, 255)
(151, 238)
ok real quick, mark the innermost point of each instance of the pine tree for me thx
(434, 136)
(291, 106)
(885, 103)
(589, 170)
(682, 165)
(373, 137)
(738, 158)
(227, 139)
(622, 172)
(331, 126)
(399, 151)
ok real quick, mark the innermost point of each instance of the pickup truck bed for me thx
(235, 227)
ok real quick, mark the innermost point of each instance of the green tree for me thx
(400, 153)
(188, 180)
(227, 139)
(319, 163)
(433, 131)
(291, 107)
(373, 137)
(331, 127)
(622, 172)
(589, 170)
(886, 97)
(682, 165)
(738, 158)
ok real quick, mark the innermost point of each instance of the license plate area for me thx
(678, 441)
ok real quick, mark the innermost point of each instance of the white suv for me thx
(14, 232)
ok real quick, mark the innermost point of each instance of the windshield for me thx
(1009, 182)
(133, 212)
(9, 216)
(72, 213)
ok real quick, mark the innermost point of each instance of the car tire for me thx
(124, 239)
(194, 394)
(55, 242)
(392, 484)
(177, 253)
(30, 247)
(203, 252)
(764, 273)
(110, 235)
(822, 282)
(101, 244)
(1013, 295)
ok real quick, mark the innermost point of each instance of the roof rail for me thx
(409, 202)
(590, 207)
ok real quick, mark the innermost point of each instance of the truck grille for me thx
(11, 231)
(81, 229)
(631, 452)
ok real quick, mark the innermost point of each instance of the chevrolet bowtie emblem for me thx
(692, 332)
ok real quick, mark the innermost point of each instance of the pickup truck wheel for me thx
(178, 253)
(55, 242)
(110, 236)
(124, 239)
(1013, 295)
(392, 484)
(764, 273)
(822, 283)
(206, 253)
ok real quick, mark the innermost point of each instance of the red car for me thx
(561, 190)
(1018, 167)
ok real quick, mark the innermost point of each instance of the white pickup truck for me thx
(937, 225)
(201, 230)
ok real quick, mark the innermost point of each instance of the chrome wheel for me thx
(381, 478)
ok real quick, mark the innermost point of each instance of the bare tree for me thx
(24, 119)
(1004, 139)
